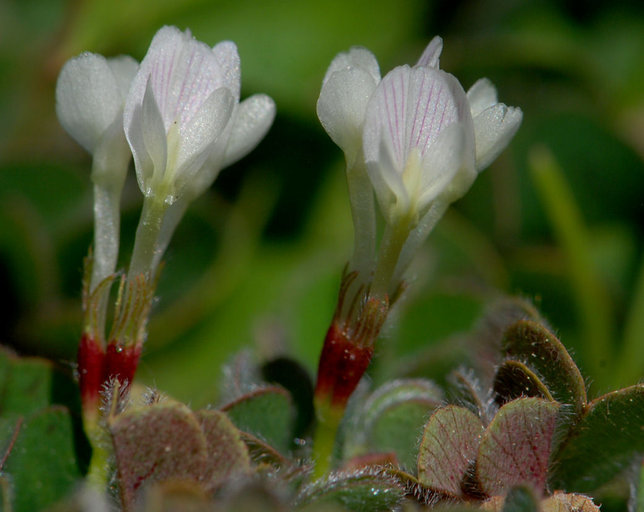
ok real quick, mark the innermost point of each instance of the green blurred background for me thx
(557, 219)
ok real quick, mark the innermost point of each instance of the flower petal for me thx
(252, 120)
(230, 65)
(493, 130)
(481, 95)
(441, 162)
(183, 72)
(341, 107)
(436, 100)
(387, 181)
(356, 58)
(124, 69)
(88, 99)
(154, 136)
(142, 160)
(195, 172)
(385, 118)
(431, 55)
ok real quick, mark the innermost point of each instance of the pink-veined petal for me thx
(481, 95)
(252, 120)
(183, 72)
(88, 99)
(493, 130)
(386, 116)
(431, 55)
(356, 58)
(436, 100)
(341, 107)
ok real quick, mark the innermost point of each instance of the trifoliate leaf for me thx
(157, 443)
(515, 448)
(448, 448)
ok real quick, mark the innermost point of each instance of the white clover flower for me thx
(183, 119)
(421, 136)
(90, 94)
(421, 139)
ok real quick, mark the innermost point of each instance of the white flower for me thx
(183, 119)
(422, 138)
(417, 140)
(90, 94)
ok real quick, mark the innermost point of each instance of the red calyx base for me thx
(98, 367)
(342, 365)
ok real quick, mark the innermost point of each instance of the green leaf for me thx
(515, 448)
(521, 499)
(30, 384)
(448, 448)
(362, 490)
(156, 443)
(603, 442)
(514, 380)
(394, 415)
(541, 351)
(40, 459)
(266, 413)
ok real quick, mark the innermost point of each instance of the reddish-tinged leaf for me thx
(448, 448)
(157, 443)
(515, 448)
(227, 453)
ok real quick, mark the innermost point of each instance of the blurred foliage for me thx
(257, 261)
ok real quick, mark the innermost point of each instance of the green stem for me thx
(99, 468)
(363, 213)
(146, 250)
(328, 421)
(391, 245)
